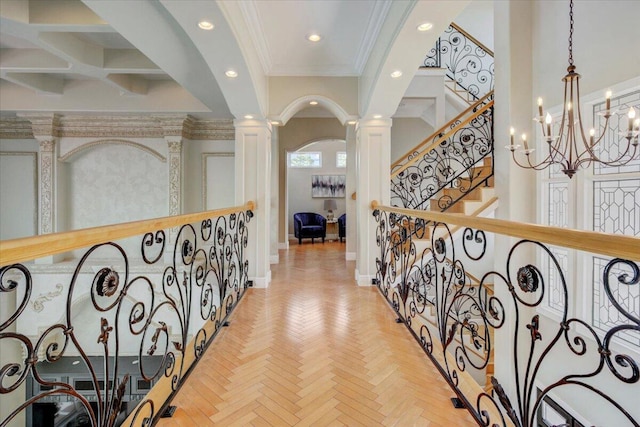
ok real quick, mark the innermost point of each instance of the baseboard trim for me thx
(274, 259)
(283, 245)
(261, 282)
(363, 279)
(350, 256)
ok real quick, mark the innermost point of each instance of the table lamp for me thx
(330, 205)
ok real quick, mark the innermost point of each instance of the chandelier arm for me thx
(615, 162)
(529, 165)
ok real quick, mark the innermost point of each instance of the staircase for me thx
(451, 170)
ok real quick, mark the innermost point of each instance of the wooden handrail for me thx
(439, 131)
(439, 140)
(473, 39)
(626, 247)
(29, 248)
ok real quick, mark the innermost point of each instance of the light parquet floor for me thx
(314, 349)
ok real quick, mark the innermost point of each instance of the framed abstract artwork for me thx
(328, 185)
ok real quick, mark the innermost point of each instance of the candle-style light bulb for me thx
(547, 120)
(540, 108)
(632, 116)
(592, 133)
(608, 97)
(636, 124)
(512, 132)
(524, 141)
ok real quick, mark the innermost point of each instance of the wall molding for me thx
(34, 159)
(205, 156)
(120, 142)
(28, 125)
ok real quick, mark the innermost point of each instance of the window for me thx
(341, 159)
(305, 160)
(599, 198)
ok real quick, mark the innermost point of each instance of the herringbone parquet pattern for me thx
(315, 349)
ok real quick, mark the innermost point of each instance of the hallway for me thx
(314, 349)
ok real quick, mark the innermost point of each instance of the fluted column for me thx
(373, 157)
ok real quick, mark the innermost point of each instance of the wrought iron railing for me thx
(458, 156)
(109, 338)
(467, 62)
(424, 265)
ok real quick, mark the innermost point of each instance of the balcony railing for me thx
(457, 157)
(467, 62)
(426, 269)
(107, 337)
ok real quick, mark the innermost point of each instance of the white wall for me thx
(406, 134)
(110, 184)
(299, 181)
(477, 20)
(18, 188)
(605, 45)
(208, 175)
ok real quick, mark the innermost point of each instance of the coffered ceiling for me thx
(149, 56)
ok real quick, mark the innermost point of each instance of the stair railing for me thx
(541, 356)
(450, 158)
(127, 320)
(468, 63)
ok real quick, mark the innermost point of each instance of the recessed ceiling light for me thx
(351, 122)
(231, 74)
(425, 27)
(314, 37)
(275, 122)
(396, 74)
(248, 116)
(377, 116)
(205, 25)
(313, 103)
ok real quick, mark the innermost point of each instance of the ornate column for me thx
(46, 170)
(373, 157)
(175, 174)
(44, 128)
(253, 182)
(173, 127)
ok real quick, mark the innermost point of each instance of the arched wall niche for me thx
(72, 154)
(111, 181)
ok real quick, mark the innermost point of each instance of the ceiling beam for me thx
(41, 83)
(165, 44)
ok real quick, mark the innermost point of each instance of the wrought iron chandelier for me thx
(571, 148)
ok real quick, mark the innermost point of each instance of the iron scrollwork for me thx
(446, 173)
(466, 62)
(453, 317)
(205, 278)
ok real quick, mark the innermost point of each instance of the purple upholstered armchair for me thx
(309, 225)
(342, 227)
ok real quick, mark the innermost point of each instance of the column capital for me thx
(252, 123)
(173, 126)
(43, 125)
(174, 143)
(385, 122)
(47, 144)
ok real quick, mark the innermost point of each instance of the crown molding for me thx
(15, 128)
(30, 126)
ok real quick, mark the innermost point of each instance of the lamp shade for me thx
(330, 205)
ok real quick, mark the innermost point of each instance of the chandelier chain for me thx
(571, 33)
